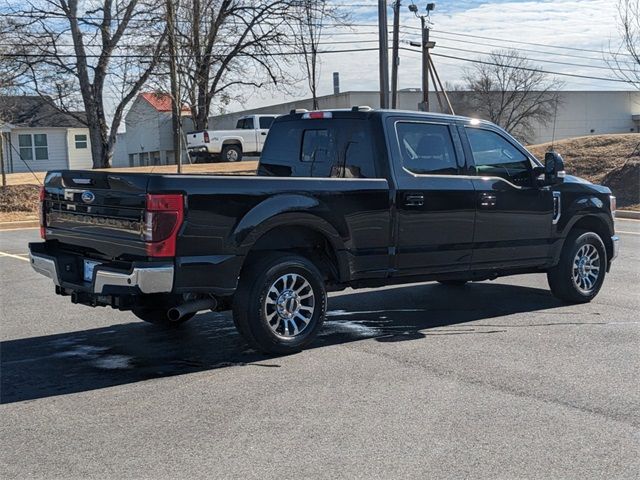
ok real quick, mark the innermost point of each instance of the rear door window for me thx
(427, 148)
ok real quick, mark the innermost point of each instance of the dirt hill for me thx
(611, 160)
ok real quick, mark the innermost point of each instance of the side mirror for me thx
(553, 168)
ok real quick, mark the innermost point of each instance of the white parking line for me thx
(10, 255)
(628, 233)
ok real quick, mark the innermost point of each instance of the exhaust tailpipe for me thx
(176, 313)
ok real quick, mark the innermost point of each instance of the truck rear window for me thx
(334, 148)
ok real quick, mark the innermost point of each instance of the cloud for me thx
(585, 24)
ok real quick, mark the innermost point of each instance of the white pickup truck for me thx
(246, 139)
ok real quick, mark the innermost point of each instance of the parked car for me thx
(345, 198)
(247, 138)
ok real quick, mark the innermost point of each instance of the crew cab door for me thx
(435, 203)
(514, 216)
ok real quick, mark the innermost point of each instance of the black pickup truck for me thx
(344, 198)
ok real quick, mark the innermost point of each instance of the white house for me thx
(36, 136)
(148, 138)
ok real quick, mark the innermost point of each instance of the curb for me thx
(628, 214)
(19, 224)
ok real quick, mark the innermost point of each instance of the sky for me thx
(590, 26)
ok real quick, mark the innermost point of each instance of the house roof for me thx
(37, 112)
(160, 101)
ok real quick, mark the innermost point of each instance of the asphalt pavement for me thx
(492, 380)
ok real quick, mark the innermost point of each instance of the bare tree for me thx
(10, 70)
(624, 59)
(510, 91)
(312, 16)
(224, 45)
(94, 56)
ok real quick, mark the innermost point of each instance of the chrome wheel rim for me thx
(232, 155)
(289, 305)
(586, 268)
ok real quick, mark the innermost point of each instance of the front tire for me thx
(231, 153)
(280, 304)
(579, 275)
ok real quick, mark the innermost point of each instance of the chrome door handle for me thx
(414, 199)
(488, 200)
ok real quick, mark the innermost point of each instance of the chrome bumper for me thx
(148, 279)
(615, 241)
(45, 266)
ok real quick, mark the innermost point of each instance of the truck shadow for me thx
(125, 353)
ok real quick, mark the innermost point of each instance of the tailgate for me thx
(196, 139)
(100, 212)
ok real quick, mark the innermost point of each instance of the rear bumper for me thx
(615, 242)
(141, 277)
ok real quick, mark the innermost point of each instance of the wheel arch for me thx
(593, 222)
(284, 223)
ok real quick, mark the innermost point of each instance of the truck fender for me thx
(585, 209)
(286, 209)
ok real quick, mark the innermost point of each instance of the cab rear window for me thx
(331, 148)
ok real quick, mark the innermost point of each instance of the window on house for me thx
(33, 147)
(81, 141)
(132, 160)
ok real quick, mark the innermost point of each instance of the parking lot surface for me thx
(491, 380)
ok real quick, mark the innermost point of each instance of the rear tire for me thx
(159, 316)
(578, 276)
(280, 303)
(231, 153)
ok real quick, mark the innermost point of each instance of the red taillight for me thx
(162, 220)
(206, 137)
(41, 214)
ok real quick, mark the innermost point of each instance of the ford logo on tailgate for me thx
(88, 197)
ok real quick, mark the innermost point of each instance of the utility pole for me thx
(175, 91)
(4, 176)
(383, 45)
(425, 65)
(395, 62)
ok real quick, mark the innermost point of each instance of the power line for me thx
(575, 75)
(510, 47)
(512, 41)
(507, 55)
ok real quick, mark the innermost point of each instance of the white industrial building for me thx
(579, 112)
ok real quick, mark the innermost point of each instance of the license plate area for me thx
(89, 267)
